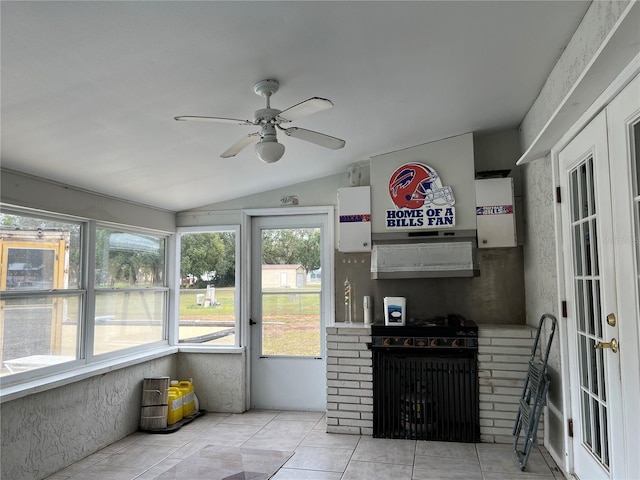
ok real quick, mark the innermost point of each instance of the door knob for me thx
(613, 345)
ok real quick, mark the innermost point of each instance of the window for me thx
(40, 308)
(131, 295)
(209, 286)
(58, 306)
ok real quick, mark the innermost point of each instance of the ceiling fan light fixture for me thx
(268, 119)
(269, 151)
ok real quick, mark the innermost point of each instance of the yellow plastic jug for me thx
(174, 414)
(188, 397)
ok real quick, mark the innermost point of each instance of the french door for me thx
(599, 174)
(290, 302)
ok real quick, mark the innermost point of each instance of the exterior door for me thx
(623, 118)
(288, 310)
(602, 325)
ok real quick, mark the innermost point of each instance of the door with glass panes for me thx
(290, 300)
(599, 178)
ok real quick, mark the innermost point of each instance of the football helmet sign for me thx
(420, 198)
(414, 185)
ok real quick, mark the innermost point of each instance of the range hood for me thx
(434, 259)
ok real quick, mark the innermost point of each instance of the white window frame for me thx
(93, 292)
(86, 364)
(174, 336)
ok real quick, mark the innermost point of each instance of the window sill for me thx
(202, 349)
(42, 384)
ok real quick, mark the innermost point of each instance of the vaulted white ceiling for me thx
(90, 89)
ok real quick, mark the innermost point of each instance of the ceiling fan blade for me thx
(314, 137)
(302, 109)
(234, 149)
(235, 121)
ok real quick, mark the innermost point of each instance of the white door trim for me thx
(565, 459)
(245, 281)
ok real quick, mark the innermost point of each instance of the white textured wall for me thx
(541, 293)
(320, 192)
(539, 241)
(44, 432)
(219, 379)
(32, 192)
(600, 18)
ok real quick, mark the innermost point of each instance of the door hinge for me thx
(564, 308)
(251, 322)
(570, 427)
(558, 195)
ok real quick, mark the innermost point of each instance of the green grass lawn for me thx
(190, 310)
(291, 324)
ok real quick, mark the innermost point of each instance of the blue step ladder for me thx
(534, 396)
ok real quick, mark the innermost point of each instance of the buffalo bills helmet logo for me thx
(413, 185)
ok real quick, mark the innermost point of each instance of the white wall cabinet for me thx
(495, 213)
(354, 216)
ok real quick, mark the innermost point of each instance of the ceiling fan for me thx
(268, 119)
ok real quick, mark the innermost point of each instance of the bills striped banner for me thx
(356, 218)
(495, 210)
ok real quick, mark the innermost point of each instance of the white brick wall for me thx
(503, 356)
(349, 380)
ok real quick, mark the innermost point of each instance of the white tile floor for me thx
(229, 446)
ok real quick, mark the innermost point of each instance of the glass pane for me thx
(38, 332)
(207, 311)
(594, 246)
(586, 419)
(601, 375)
(593, 367)
(588, 290)
(291, 292)
(290, 323)
(582, 179)
(31, 269)
(207, 316)
(595, 411)
(577, 255)
(128, 319)
(38, 253)
(584, 367)
(597, 311)
(580, 304)
(126, 259)
(575, 201)
(591, 188)
(587, 249)
(605, 435)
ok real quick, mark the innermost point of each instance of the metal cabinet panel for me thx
(495, 213)
(354, 214)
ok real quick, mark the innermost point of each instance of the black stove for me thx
(425, 380)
